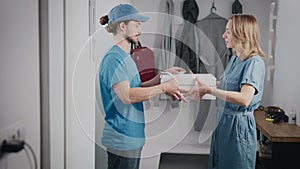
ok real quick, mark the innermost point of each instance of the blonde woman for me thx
(239, 93)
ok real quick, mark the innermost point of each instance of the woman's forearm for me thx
(242, 98)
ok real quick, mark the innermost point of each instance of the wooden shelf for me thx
(279, 132)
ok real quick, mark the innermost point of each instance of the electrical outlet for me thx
(19, 132)
(14, 131)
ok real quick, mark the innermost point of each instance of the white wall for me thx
(19, 74)
(56, 83)
(287, 57)
(79, 87)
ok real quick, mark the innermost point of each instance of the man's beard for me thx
(130, 40)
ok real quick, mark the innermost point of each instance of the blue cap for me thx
(125, 12)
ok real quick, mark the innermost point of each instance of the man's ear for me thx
(122, 26)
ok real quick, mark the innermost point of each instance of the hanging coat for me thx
(237, 7)
(211, 47)
(185, 38)
(167, 58)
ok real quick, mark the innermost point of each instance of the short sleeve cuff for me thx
(249, 82)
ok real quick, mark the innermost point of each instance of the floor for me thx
(263, 163)
(183, 161)
(180, 161)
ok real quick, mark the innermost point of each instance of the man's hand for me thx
(172, 89)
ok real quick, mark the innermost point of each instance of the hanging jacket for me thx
(185, 38)
(211, 48)
(237, 7)
(167, 58)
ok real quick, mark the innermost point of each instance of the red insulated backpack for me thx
(144, 60)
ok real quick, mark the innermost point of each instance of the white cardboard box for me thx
(187, 81)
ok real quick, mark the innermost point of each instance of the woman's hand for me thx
(199, 90)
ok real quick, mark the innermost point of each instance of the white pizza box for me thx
(187, 81)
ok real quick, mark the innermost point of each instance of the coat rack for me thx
(213, 6)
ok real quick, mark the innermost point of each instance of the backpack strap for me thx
(136, 45)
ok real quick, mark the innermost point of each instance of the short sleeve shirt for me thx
(124, 123)
(237, 73)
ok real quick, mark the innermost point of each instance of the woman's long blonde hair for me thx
(245, 35)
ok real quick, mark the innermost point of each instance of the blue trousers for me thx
(119, 159)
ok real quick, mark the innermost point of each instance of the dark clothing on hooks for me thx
(190, 10)
(185, 38)
(237, 7)
(185, 48)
